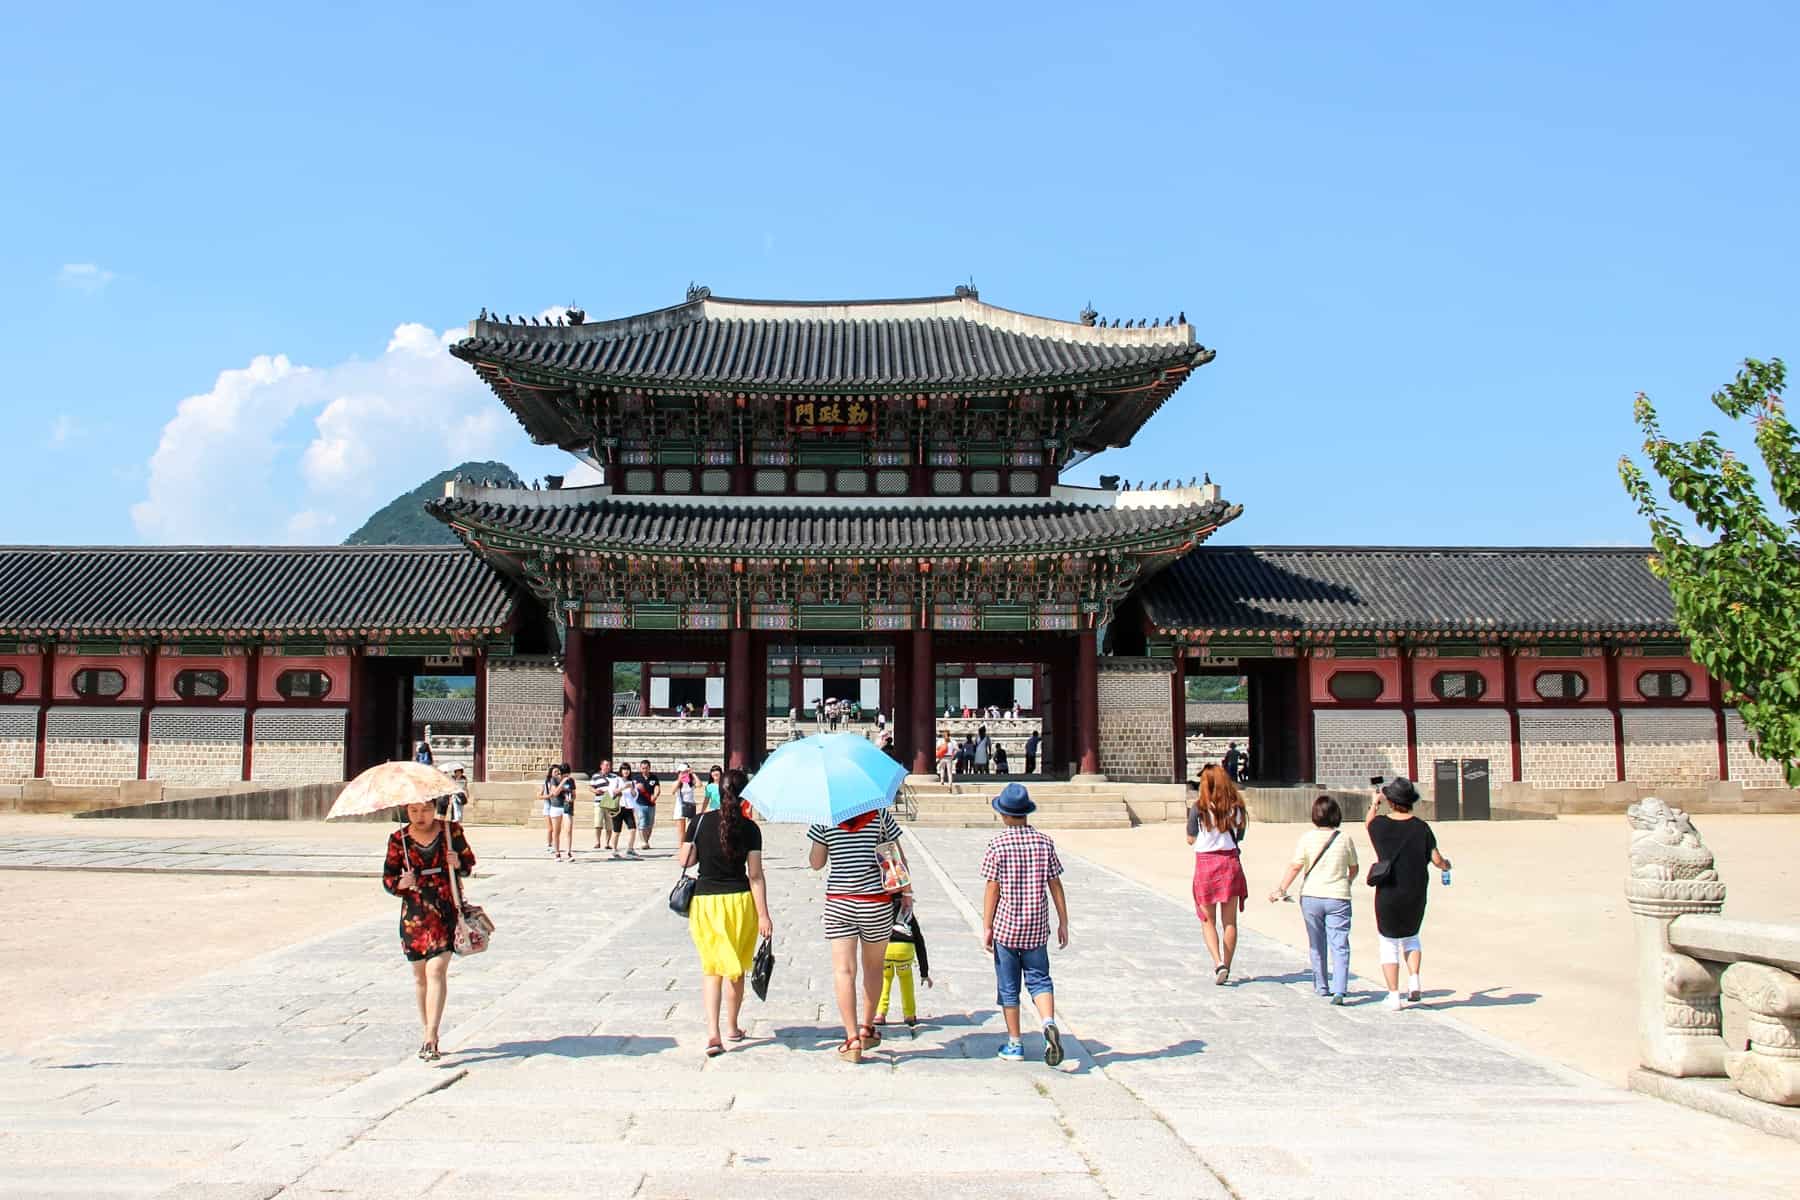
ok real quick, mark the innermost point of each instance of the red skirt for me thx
(1219, 879)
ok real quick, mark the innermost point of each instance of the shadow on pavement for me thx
(564, 1047)
(1483, 998)
(1105, 1056)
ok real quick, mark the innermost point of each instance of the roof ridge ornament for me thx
(576, 314)
(697, 291)
(967, 291)
(1088, 315)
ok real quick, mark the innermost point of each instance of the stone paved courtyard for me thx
(575, 1066)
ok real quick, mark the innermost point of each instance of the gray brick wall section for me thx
(1671, 747)
(1746, 768)
(196, 745)
(18, 742)
(91, 745)
(1136, 733)
(1351, 746)
(1566, 747)
(524, 717)
(301, 745)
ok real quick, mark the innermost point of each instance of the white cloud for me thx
(84, 277)
(277, 451)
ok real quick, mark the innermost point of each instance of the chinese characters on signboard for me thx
(830, 416)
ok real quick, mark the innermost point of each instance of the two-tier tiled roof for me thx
(843, 529)
(1468, 591)
(213, 591)
(935, 345)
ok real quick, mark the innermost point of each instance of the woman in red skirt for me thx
(1215, 826)
(420, 854)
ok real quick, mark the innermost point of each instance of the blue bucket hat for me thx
(1014, 801)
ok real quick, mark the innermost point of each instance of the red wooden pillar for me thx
(1412, 719)
(1715, 697)
(1178, 712)
(1087, 703)
(478, 767)
(46, 693)
(924, 696)
(1509, 688)
(643, 689)
(252, 689)
(1618, 714)
(574, 695)
(737, 701)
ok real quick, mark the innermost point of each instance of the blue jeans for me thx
(1328, 924)
(1010, 964)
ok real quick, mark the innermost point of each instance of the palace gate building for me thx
(858, 500)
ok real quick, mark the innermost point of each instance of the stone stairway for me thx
(1060, 805)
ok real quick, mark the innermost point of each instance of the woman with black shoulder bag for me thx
(729, 908)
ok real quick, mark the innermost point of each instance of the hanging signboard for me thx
(830, 415)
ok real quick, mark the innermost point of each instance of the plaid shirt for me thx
(1023, 861)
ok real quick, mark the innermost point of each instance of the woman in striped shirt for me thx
(859, 917)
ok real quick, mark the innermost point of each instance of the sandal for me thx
(869, 1036)
(714, 1049)
(429, 1052)
(737, 1035)
(851, 1050)
(1220, 974)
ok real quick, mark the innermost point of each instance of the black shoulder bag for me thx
(681, 896)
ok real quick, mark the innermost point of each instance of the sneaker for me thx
(1395, 1002)
(1012, 1052)
(631, 854)
(1053, 1051)
(1338, 1000)
(1412, 997)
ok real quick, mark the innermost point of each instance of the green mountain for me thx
(404, 521)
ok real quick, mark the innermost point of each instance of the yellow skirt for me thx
(724, 932)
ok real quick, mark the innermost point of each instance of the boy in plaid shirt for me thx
(1020, 867)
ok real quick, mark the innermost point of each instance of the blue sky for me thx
(1437, 251)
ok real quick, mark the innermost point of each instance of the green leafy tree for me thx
(1737, 593)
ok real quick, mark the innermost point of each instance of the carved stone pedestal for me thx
(1678, 996)
(1769, 1067)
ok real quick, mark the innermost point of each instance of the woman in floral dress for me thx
(418, 856)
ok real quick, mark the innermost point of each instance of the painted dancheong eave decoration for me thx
(616, 563)
(944, 380)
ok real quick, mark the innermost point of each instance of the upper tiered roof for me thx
(935, 345)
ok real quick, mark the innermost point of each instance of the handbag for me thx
(681, 896)
(895, 876)
(762, 969)
(474, 928)
(1381, 873)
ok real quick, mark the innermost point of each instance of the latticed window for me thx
(200, 685)
(1355, 685)
(11, 682)
(1458, 685)
(1663, 685)
(303, 685)
(98, 682)
(1560, 685)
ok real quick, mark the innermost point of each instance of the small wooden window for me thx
(1560, 685)
(201, 685)
(1458, 685)
(12, 682)
(1355, 685)
(303, 685)
(1663, 685)
(99, 682)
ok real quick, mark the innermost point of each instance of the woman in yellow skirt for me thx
(731, 905)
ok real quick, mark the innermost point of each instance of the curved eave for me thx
(1158, 545)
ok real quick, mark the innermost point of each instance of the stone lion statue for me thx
(1665, 846)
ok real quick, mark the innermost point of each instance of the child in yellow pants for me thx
(906, 946)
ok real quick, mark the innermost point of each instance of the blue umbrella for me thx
(825, 779)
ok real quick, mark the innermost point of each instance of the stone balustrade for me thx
(1690, 959)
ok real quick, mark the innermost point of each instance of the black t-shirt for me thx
(647, 785)
(722, 874)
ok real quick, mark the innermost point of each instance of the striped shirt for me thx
(854, 869)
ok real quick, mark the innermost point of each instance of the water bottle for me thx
(1446, 877)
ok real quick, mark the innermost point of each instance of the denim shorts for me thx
(1010, 964)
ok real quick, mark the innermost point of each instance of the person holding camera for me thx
(1405, 850)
